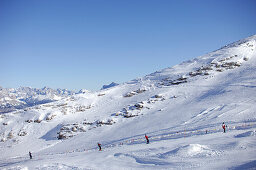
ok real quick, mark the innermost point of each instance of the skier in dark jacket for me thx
(99, 145)
(147, 139)
(224, 127)
(30, 154)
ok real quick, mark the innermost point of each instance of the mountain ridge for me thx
(22, 97)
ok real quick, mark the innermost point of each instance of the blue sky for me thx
(83, 44)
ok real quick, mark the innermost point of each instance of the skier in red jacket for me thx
(224, 127)
(99, 145)
(147, 139)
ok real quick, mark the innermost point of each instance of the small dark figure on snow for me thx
(147, 139)
(99, 145)
(224, 127)
(30, 154)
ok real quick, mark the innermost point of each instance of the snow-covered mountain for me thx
(23, 97)
(180, 108)
(113, 84)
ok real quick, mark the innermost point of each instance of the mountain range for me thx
(22, 97)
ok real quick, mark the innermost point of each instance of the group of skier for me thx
(146, 137)
(147, 140)
(99, 145)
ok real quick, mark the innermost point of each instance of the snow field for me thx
(178, 153)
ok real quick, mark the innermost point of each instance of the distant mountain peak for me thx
(109, 85)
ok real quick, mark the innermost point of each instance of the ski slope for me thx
(180, 108)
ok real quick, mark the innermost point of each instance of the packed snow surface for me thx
(180, 108)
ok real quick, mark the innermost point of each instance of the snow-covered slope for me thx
(180, 108)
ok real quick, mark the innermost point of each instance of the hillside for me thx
(180, 108)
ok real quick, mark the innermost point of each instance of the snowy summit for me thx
(182, 111)
(113, 84)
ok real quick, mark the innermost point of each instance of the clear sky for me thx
(84, 44)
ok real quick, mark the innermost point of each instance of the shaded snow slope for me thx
(180, 108)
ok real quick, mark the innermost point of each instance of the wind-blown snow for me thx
(180, 108)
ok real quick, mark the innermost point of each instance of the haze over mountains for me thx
(180, 108)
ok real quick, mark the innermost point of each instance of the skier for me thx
(224, 127)
(147, 139)
(99, 145)
(30, 154)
